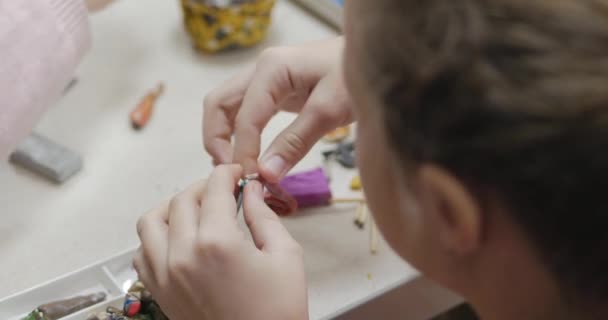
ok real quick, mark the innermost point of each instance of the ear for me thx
(452, 210)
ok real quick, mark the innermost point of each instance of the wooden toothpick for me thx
(328, 166)
(347, 200)
(373, 237)
(361, 215)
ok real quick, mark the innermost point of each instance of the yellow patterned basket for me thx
(215, 29)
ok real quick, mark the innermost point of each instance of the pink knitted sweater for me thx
(41, 43)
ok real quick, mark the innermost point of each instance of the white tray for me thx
(113, 276)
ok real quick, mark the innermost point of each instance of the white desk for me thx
(48, 230)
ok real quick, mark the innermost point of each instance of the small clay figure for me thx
(138, 305)
(132, 305)
(142, 113)
(148, 309)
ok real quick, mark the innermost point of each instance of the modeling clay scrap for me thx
(337, 135)
(309, 188)
(344, 154)
(62, 308)
(280, 200)
(355, 183)
(142, 113)
(47, 158)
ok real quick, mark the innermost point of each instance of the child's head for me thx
(483, 139)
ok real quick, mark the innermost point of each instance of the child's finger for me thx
(153, 233)
(268, 232)
(219, 110)
(326, 109)
(290, 146)
(259, 106)
(141, 268)
(144, 275)
(183, 222)
(218, 206)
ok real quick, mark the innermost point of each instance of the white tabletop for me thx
(48, 230)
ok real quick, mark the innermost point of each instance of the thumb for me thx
(291, 145)
(327, 108)
(266, 228)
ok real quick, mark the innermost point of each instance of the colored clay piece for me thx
(132, 305)
(35, 315)
(355, 183)
(142, 113)
(309, 189)
(138, 305)
(62, 308)
(337, 135)
(279, 200)
(46, 158)
(149, 307)
(344, 154)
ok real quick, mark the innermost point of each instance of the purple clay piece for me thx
(309, 188)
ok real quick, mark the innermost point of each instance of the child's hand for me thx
(198, 264)
(303, 79)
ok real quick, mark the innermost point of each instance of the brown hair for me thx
(511, 96)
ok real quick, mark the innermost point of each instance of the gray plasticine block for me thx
(47, 158)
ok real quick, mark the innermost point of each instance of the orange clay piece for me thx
(141, 114)
(337, 134)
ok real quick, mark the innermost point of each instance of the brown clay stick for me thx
(62, 308)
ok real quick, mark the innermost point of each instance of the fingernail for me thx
(276, 165)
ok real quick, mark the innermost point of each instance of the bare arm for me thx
(41, 43)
